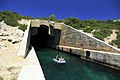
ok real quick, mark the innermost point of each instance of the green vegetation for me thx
(26, 17)
(71, 21)
(7, 14)
(14, 78)
(116, 42)
(23, 27)
(87, 29)
(1, 78)
(11, 21)
(101, 34)
(11, 18)
(102, 28)
(52, 17)
(44, 18)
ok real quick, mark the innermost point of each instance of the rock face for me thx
(12, 34)
(23, 21)
(113, 36)
(10, 63)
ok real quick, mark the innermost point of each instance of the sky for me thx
(82, 9)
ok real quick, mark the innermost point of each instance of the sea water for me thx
(74, 69)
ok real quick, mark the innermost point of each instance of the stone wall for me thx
(74, 38)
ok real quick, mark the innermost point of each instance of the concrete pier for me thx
(31, 69)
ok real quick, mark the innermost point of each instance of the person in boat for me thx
(61, 59)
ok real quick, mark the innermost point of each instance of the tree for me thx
(1, 18)
(72, 21)
(52, 17)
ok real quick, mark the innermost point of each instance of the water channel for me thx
(74, 69)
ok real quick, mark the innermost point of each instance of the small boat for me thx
(59, 61)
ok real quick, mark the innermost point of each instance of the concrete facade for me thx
(98, 50)
(69, 40)
(81, 43)
(74, 38)
(45, 31)
(105, 58)
(24, 46)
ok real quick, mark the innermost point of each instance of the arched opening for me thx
(39, 40)
(87, 54)
(41, 37)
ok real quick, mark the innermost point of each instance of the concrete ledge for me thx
(31, 69)
(109, 59)
(24, 43)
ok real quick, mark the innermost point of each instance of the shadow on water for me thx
(74, 69)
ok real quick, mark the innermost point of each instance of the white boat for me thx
(59, 61)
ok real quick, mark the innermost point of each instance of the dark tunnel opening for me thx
(40, 37)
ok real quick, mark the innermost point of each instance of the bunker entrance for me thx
(87, 54)
(44, 37)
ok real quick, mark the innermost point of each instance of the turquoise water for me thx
(74, 69)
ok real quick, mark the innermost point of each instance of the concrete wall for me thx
(25, 43)
(71, 38)
(74, 38)
(104, 58)
(53, 37)
(94, 49)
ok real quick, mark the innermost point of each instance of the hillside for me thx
(13, 25)
(108, 31)
(10, 37)
(10, 63)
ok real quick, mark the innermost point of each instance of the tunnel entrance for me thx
(41, 37)
(87, 54)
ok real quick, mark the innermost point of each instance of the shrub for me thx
(22, 27)
(1, 78)
(1, 18)
(52, 17)
(13, 78)
(11, 21)
(88, 30)
(117, 41)
(73, 22)
(102, 34)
